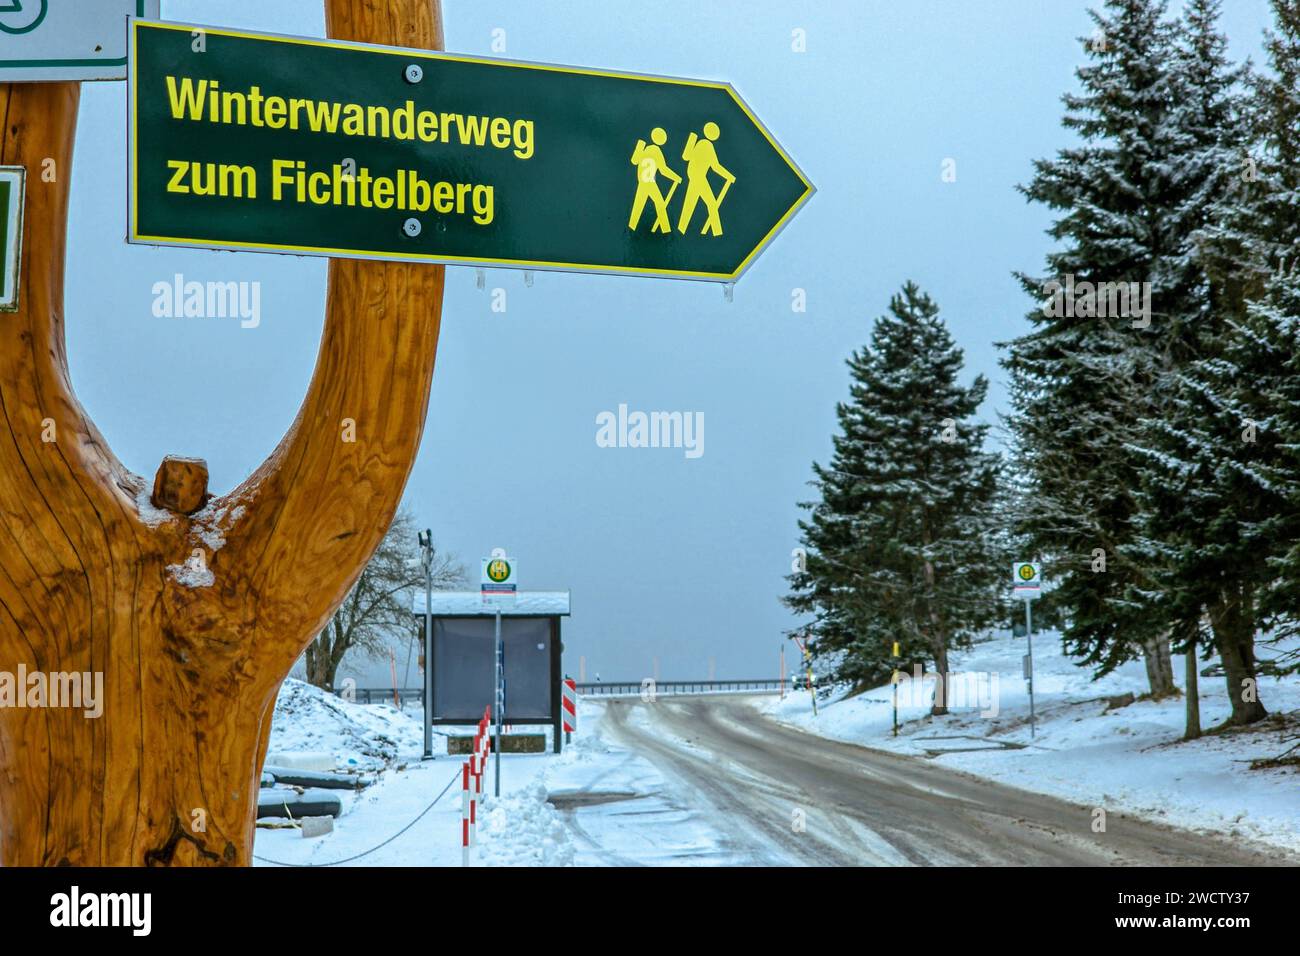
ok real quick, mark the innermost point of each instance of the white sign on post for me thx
(67, 39)
(497, 583)
(12, 186)
(1025, 579)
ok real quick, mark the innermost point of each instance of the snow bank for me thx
(522, 829)
(359, 736)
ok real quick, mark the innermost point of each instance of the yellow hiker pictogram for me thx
(650, 164)
(498, 570)
(702, 159)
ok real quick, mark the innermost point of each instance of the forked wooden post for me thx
(193, 620)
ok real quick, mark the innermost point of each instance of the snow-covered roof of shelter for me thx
(470, 604)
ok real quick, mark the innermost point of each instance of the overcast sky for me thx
(668, 557)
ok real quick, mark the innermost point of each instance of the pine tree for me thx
(901, 545)
(1206, 507)
(1246, 389)
(1270, 336)
(1084, 380)
(1265, 349)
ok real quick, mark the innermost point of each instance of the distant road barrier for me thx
(670, 688)
(665, 688)
(384, 695)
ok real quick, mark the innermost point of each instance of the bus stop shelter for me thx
(464, 671)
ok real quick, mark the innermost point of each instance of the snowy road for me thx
(755, 780)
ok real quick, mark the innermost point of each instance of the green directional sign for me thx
(286, 144)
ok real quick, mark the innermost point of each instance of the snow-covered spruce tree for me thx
(902, 544)
(1273, 316)
(1085, 380)
(1206, 508)
(1243, 392)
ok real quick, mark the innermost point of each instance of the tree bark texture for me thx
(192, 641)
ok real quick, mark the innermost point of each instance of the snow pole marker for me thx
(464, 815)
(473, 799)
(475, 764)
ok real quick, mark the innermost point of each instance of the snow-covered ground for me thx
(599, 804)
(360, 737)
(520, 828)
(622, 812)
(1129, 758)
(595, 804)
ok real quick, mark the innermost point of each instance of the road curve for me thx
(867, 807)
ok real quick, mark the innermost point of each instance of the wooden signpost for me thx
(192, 642)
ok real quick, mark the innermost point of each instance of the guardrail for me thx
(666, 688)
(669, 688)
(384, 695)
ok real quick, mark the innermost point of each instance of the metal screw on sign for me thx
(413, 73)
(411, 227)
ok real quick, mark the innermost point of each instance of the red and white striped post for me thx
(466, 810)
(569, 708)
(473, 819)
(475, 786)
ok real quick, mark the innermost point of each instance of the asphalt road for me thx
(753, 778)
